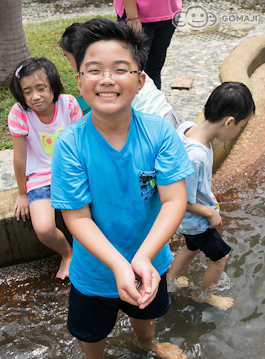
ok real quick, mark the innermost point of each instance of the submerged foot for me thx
(180, 282)
(222, 303)
(162, 350)
(63, 271)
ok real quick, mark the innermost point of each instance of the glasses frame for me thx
(103, 72)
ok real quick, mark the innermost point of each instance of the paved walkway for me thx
(199, 52)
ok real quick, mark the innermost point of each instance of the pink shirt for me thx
(40, 137)
(152, 10)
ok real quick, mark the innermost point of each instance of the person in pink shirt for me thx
(155, 18)
(35, 121)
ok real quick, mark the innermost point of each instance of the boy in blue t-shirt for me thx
(118, 177)
(227, 111)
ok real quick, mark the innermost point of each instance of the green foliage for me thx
(42, 39)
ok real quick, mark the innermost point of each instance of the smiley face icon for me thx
(196, 16)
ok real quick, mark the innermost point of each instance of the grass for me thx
(42, 40)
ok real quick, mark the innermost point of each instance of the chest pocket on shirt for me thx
(147, 183)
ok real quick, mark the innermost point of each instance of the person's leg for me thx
(43, 221)
(211, 277)
(144, 327)
(94, 350)
(90, 320)
(159, 37)
(181, 262)
(145, 333)
(213, 273)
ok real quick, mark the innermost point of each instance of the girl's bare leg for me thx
(43, 221)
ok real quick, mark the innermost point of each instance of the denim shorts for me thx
(92, 318)
(39, 193)
(209, 242)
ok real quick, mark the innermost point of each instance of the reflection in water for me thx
(33, 303)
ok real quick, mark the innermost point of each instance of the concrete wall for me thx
(18, 240)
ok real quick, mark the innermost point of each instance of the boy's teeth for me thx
(102, 94)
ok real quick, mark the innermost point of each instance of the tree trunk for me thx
(13, 43)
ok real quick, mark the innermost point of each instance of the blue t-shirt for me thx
(120, 187)
(199, 184)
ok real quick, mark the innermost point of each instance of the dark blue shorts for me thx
(209, 242)
(91, 318)
(39, 193)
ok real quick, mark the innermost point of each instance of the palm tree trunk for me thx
(13, 43)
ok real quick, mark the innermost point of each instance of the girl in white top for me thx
(35, 121)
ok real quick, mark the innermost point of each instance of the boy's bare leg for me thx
(211, 277)
(180, 263)
(145, 333)
(43, 221)
(94, 350)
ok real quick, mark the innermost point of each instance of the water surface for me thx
(33, 303)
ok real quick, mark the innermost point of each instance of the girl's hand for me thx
(143, 267)
(21, 207)
(215, 219)
(125, 281)
(135, 23)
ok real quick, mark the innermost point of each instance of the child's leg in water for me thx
(211, 277)
(43, 221)
(180, 263)
(145, 333)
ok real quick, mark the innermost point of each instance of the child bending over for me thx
(35, 121)
(227, 111)
(118, 177)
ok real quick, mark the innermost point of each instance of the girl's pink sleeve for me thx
(75, 111)
(17, 121)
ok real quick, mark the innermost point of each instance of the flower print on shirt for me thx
(48, 141)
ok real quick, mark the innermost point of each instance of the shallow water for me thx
(33, 303)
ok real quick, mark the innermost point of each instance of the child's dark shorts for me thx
(209, 242)
(92, 318)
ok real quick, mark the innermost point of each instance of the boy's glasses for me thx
(115, 74)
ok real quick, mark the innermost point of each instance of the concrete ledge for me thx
(19, 242)
(238, 66)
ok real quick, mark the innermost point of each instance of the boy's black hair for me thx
(30, 66)
(229, 99)
(106, 30)
(68, 37)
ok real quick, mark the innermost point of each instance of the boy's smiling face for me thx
(109, 96)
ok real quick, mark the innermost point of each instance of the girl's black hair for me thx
(229, 99)
(68, 37)
(28, 67)
(100, 29)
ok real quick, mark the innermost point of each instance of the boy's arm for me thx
(20, 156)
(173, 207)
(209, 212)
(87, 233)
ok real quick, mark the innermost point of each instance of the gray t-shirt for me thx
(199, 183)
